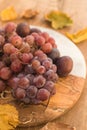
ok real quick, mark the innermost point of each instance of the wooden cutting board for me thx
(68, 91)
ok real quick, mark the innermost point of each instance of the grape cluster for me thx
(29, 63)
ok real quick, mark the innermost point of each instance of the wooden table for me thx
(77, 116)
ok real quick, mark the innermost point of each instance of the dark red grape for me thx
(20, 75)
(32, 91)
(23, 83)
(64, 65)
(39, 81)
(20, 93)
(54, 54)
(35, 30)
(23, 29)
(6, 60)
(16, 66)
(43, 94)
(5, 73)
(2, 85)
(29, 69)
(54, 68)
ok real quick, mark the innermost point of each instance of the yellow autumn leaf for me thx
(8, 14)
(58, 19)
(8, 117)
(79, 36)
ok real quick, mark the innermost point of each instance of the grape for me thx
(10, 27)
(13, 82)
(64, 65)
(32, 91)
(30, 77)
(45, 35)
(20, 93)
(41, 69)
(2, 64)
(38, 52)
(42, 57)
(14, 56)
(2, 40)
(34, 30)
(43, 94)
(25, 48)
(35, 64)
(54, 54)
(35, 35)
(50, 75)
(2, 32)
(16, 66)
(47, 64)
(2, 85)
(47, 48)
(39, 81)
(16, 41)
(52, 42)
(54, 68)
(5, 73)
(40, 41)
(23, 83)
(6, 59)
(28, 69)
(9, 48)
(26, 57)
(23, 29)
(29, 39)
(49, 86)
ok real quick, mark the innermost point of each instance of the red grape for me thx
(5, 73)
(47, 48)
(54, 68)
(23, 83)
(16, 41)
(49, 86)
(29, 39)
(29, 69)
(52, 42)
(35, 64)
(41, 69)
(39, 81)
(16, 66)
(2, 40)
(20, 93)
(47, 64)
(25, 48)
(2, 64)
(38, 52)
(13, 82)
(43, 94)
(30, 78)
(32, 91)
(45, 35)
(40, 41)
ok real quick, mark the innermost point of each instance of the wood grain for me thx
(78, 11)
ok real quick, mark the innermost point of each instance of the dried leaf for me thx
(58, 19)
(79, 36)
(29, 13)
(8, 117)
(8, 14)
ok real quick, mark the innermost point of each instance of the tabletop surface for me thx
(77, 10)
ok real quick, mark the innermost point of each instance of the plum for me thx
(64, 65)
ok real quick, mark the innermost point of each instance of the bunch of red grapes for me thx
(30, 63)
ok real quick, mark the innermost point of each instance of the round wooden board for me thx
(68, 91)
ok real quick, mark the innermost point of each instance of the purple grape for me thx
(49, 86)
(43, 94)
(31, 78)
(32, 91)
(39, 81)
(23, 83)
